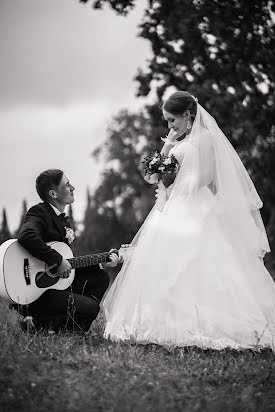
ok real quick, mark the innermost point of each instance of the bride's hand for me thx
(172, 135)
(152, 178)
(168, 141)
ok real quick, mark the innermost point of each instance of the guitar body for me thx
(23, 278)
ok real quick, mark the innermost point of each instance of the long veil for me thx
(237, 202)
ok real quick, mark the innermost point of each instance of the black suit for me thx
(77, 306)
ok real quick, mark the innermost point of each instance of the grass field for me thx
(73, 373)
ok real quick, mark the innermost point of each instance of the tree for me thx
(227, 65)
(22, 218)
(222, 52)
(71, 217)
(120, 6)
(123, 199)
(5, 233)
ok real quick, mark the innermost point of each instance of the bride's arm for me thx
(172, 136)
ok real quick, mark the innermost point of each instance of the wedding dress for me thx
(196, 274)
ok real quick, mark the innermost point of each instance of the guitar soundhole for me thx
(43, 280)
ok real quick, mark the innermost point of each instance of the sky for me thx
(65, 71)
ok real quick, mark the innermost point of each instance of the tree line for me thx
(223, 53)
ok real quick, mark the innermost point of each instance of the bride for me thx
(196, 274)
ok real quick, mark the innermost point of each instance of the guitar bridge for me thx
(27, 272)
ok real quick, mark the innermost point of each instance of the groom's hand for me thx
(64, 269)
(114, 259)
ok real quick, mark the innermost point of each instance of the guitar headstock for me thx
(125, 251)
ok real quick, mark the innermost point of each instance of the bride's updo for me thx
(179, 102)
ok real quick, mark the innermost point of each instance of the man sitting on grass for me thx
(74, 308)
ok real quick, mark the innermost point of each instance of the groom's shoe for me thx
(32, 325)
(27, 325)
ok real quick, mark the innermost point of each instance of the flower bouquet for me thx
(161, 167)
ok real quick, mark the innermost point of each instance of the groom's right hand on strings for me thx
(64, 269)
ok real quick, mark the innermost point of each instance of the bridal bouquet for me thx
(163, 167)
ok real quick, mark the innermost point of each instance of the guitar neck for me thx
(89, 260)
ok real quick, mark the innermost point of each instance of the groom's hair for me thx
(46, 181)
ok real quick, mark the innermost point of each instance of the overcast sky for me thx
(65, 70)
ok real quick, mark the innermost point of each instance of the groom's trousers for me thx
(71, 309)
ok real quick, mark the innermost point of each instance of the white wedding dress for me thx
(189, 282)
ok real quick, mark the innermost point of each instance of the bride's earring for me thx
(189, 125)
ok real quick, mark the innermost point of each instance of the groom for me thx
(76, 307)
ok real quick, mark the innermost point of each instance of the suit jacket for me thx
(42, 225)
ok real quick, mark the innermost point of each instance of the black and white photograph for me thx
(137, 208)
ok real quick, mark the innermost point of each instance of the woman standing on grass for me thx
(196, 275)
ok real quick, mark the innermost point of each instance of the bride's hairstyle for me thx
(179, 102)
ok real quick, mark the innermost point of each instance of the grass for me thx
(72, 373)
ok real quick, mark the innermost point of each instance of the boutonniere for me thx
(69, 234)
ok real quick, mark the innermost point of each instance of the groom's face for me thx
(64, 192)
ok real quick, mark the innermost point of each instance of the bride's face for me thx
(178, 123)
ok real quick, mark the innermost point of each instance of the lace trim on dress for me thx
(200, 341)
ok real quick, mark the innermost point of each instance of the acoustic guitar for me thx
(23, 278)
